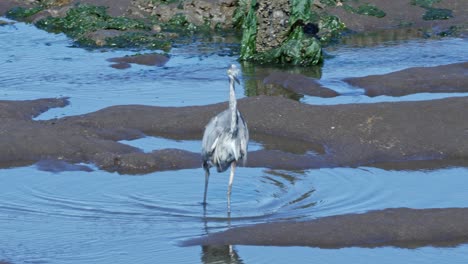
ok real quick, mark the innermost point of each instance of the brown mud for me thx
(410, 134)
(299, 84)
(400, 227)
(150, 59)
(401, 14)
(452, 78)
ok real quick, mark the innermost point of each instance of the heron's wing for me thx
(213, 131)
(243, 135)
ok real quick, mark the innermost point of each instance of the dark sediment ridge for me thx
(400, 227)
(299, 84)
(409, 135)
(452, 78)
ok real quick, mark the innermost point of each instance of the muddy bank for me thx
(157, 24)
(403, 14)
(416, 134)
(452, 78)
(401, 227)
(150, 59)
(298, 84)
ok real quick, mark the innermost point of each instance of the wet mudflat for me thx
(68, 196)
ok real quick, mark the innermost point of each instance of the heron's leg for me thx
(231, 178)
(207, 176)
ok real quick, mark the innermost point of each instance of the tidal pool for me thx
(101, 217)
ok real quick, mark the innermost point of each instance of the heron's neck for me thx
(232, 104)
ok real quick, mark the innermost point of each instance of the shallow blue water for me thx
(45, 65)
(101, 217)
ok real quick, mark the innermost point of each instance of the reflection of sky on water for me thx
(148, 144)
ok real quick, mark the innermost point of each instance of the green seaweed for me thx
(300, 11)
(370, 10)
(328, 2)
(21, 13)
(87, 18)
(297, 49)
(84, 18)
(139, 40)
(330, 27)
(240, 13)
(451, 31)
(431, 12)
(179, 20)
(366, 10)
(437, 13)
(249, 33)
(424, 3)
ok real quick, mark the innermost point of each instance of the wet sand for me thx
(400, 227)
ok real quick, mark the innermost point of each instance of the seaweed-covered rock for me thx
(196, 13)
(286, 32)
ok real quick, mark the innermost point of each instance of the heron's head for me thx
(233, 72)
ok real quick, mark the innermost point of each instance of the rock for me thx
(99, 36)
(53, 12)
(273, 24)
(197, 12)
(5, 23)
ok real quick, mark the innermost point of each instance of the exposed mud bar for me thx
(397, 135)
(452, 78)
(401, 227)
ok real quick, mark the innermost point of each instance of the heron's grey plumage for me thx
(225, 138)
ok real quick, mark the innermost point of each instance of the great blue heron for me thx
(225, 138)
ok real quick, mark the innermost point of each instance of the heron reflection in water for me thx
(225, 139)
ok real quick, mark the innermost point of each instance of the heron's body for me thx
(221, 146)
(225, 139)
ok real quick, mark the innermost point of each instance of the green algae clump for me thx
(437, 14)
(87, 18)
(431, 12)
(366, 10)
(139, 40)
(83, 19)
(297, 49)
(21, 13)
(249, 34)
